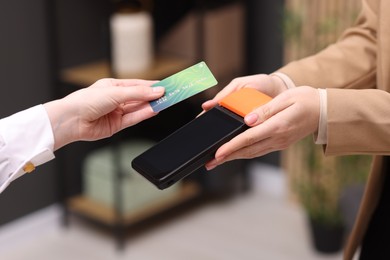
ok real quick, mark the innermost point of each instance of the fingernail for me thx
(158, 89)
(251, 119)
(209, 167)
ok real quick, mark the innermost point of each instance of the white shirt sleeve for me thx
(321, 136)
(26, 141)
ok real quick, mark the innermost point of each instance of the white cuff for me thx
(322, 133)
(26, 139)
(286, 79)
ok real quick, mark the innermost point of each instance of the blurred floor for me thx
(260, 225)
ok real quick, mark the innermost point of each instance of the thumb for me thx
(136, 93)
(266, 111)
(258, 116)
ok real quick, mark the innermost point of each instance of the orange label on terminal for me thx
(244, 101)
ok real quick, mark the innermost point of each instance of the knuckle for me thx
(265, 113)
(283, 143)
(249, 140)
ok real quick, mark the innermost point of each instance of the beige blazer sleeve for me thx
(358, 110)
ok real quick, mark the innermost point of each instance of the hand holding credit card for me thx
(183, 84)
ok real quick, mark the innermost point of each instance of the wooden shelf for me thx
(107, 215)
(86, 74)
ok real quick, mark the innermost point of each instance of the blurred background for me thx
(89, 203)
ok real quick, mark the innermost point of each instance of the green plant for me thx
(321, 180)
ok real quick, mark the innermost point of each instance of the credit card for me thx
(183, 84)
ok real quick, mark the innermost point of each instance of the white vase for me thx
(131, 43)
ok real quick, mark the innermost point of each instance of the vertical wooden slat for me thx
(322, 21)
(322, 24)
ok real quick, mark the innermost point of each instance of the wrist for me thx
(62, 122)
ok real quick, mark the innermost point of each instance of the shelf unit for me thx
(75, 77)
(114, 217)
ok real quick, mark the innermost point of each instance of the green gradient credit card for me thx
(183, 84)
